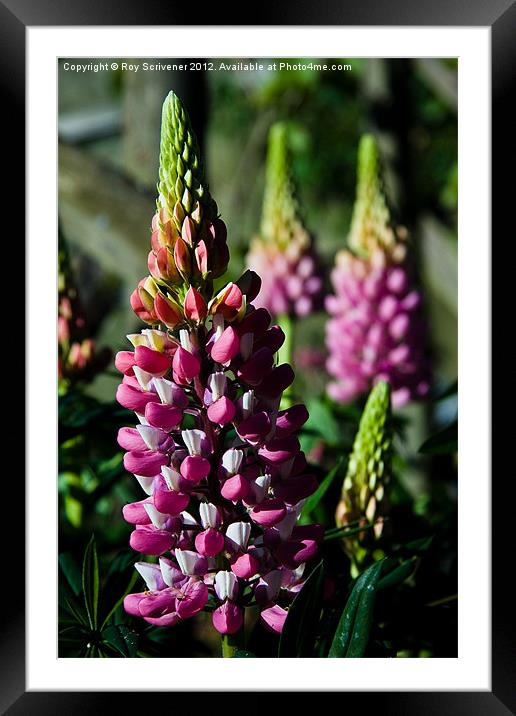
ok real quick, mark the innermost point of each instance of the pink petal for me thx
(209, 543)
(130, 439)
(135, 512)
(291, 420)
(166, 417)
(274, 618)
(144, 462)
(269, 512)
(147, 539)
(194, 468)
(245, 566)
(279, 450)
(124, 361)
(228, 618)
(226, 347)
(222, 411)
(235, 488)
(186, 366)
(134, 398)
(192, 599)
(152, 361)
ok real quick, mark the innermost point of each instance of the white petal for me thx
(217, 384)
(158, 519)
(172, 478)
(150, 436)
(142, 377)
(260, 487)
(151, 574)
(156, 339)
(193, 440)
(169, 571)
(184, 337)
(142, 419)
(188, 520)
(226, 586)
(239, 533)
(187, 560)
(272, 582)
(163, 389)
(146, 483)
(286, 525)
(209, 514)
(231, 460)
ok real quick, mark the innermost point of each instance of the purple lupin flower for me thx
(283, 255)
(377, 329)
(220, 464)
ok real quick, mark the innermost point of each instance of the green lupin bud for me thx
(371, 223)
(181, 175)
(363, 497)
(280, 217)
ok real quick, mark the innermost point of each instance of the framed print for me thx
(267, 247)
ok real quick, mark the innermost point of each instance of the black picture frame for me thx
(500, 15)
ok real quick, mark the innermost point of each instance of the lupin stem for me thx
(231, 643)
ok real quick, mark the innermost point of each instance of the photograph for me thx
(257, 329)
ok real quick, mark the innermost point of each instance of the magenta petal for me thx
(277, 381)
(135, 512)
(166, 417)
(256, 368)
(169, 502)
(256, 322)
(291, 420)
(134, 398)
(150, 540)
(274, 618)
(156, 604)
(315, 532)
(226, 347)
(228, 618)
(245, 566)
(235, 488)
(191, 599)
(292, 554)
(186, 366)
(209, 543)
(152, 361)
(132, 602)
(280, 449)
(194, 468)
(273, 339)
(144, 462)
(130, 439)
(222, 411)
(255, 428)
(269, 512)
(124, 361)
(164, 621)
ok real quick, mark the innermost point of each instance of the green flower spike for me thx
(281, 221)
(182, 185)
(371, 223)
(363, 492)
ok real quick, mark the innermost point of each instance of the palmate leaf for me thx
(300, 628)
(90, 582)
(121, 638)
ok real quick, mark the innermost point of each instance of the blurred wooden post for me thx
(143, 97)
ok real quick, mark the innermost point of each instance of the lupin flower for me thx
(377, 329)
(78, 357)
(283, 254)
(220, 464)
(363, 498)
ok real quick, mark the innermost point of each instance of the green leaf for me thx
(90, 581)
(397, 575)
(317, 496)
(300, 628)
(345, 532)
(243, 654)
(121, 638)
(71, 571)
(322, 422)
(352, 633)
(442, 443)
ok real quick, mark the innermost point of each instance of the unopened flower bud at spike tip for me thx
(283, 254)
(364, 498)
